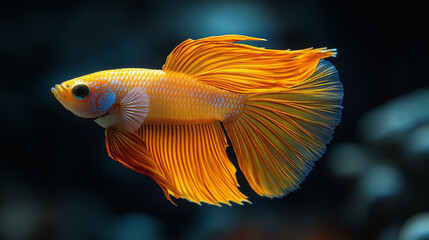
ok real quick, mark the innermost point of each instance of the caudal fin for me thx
(280, 134)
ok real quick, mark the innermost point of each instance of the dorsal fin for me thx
(220, 62)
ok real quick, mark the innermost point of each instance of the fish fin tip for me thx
(332, 52)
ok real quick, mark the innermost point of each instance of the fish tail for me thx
(280, 134)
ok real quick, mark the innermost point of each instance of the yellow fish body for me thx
(278, 107)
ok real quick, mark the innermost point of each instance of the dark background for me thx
(57, 182)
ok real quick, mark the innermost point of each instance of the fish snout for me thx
(59, 90)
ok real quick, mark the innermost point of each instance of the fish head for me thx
(84, 97)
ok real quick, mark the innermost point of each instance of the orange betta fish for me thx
(278, 107)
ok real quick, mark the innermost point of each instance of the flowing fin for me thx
(221, 63)
(193, 158)
(280, 134)
(133, 109)
(128, 149)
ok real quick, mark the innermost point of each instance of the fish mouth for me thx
(59, 90)
(95, 118)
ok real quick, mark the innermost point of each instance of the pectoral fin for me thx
(129, 113)
(133, 109)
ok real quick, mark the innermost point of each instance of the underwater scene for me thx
(182, 120)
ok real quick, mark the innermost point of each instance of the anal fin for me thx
(192, 157)
(128, 149)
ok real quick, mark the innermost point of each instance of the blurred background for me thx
(57, 181)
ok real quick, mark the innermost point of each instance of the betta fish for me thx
(279, 109)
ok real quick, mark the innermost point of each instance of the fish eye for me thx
(80, 90)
